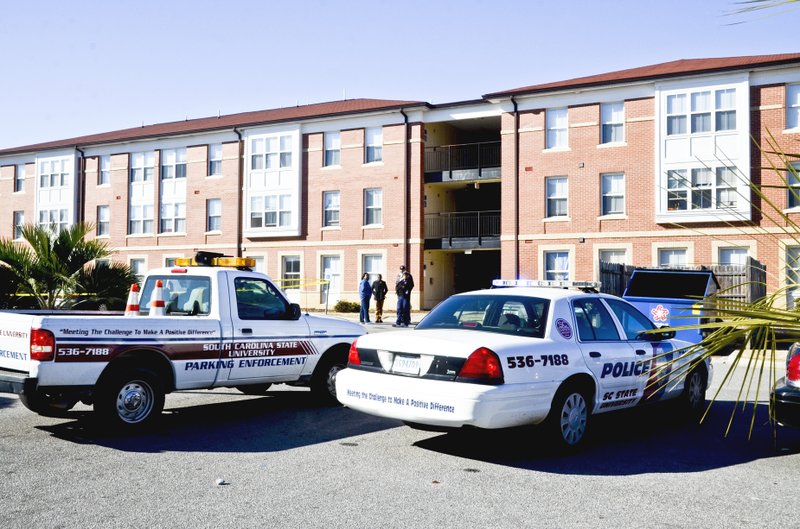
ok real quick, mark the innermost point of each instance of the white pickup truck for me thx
(223, 326)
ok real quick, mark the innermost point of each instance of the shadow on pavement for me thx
(281, 420)
(6, 402)
(631, 442)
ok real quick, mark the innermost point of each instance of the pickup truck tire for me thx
(130, 399)
(45, 406)
(254, 389)
(568, 420)
(323, 381)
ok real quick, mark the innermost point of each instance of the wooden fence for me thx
(747, 282)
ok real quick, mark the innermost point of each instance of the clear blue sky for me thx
(71, 68)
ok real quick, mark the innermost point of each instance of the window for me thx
(793, 185)
(19, 222)
(676, 114)
(556, 266)
(612, 122)
(271, 153)
(332, 275)
(792, 106)
(54, 219)
(290, 272)
(142, 167)
(138, 268)
(725, 105)
(140, 220)
(670, 257)
(330, 207)
(726, 187)
(257, 299)
(53, 173)
(104, 171)
(173, 217)
(215, 159)
(332, 149)
(19, 178)
(792, 274)
(701, 188)
(557, 128)
(214, 214)
(173, 163)
(633, 322)
(613, 256)
(260, 265)
(374, 144)
(733, 256)
(701, 112)
(270, 211)
(613, 194)
(372, 265)
(373, 206)
(708, 188)
(594, 321)
(556, 191)
(103, 221)
(169, 262)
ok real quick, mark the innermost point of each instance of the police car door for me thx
(633, 323)
(608, 355)
(268, 342)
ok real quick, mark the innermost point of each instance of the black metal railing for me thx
(462, 157)
(462, 224)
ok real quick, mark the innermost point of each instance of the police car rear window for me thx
(517, 315)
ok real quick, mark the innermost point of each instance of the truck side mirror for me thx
(294, 312)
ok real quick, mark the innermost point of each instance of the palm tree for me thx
(53, 269)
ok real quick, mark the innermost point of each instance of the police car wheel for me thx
(130, 399)
(254, 389)
(569, 417)
(694, 393)
(323, 382)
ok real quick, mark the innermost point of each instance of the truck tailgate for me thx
(15, 341)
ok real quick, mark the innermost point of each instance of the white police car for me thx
(527, 354)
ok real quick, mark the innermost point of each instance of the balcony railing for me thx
(471, 161)
(464, 229)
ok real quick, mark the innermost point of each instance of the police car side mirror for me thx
(294, 312)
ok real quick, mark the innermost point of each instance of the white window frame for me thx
(172, 218)
(553, 197)
(611, 193)
(793, 106)
(557, 128)
(331, 207)
(19, 178)
(677, 122)
(331, 291)
(793, 185)
(290, 279)
(612, 122)
(173, 164)
(104, 170)
(332, 149)
(19, 222)
(373, 144)
(732, 250)
(214, 215)
(141, 219)
(372, 264)
(143, 167)
(552, 273)
(138, 266)
(270, 210)
(373, 206)
(271, 153)
(103, 220)
(215, 159)
(669, 252)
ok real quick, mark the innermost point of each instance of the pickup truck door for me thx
(267, 342)
(620, 370)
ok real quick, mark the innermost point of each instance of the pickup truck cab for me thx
(222, 326)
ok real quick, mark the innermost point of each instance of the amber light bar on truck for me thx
(216, 259)
(499, 283)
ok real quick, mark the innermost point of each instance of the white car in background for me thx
(527, 354)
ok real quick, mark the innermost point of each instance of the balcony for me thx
(470, 161)
(462, 230)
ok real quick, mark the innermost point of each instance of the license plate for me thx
(407, 365)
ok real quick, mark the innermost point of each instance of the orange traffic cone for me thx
(157, 300)
(132, 307)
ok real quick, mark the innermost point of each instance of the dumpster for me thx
(672, 297)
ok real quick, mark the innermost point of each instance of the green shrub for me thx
(347, 306)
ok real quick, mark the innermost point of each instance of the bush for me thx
(347, 306)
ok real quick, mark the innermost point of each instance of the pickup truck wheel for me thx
(45, 406)
(254, 389)
(323, 382)
(569, 417)
(130, 399)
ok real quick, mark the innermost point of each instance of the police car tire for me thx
(130, 399)
(323, 382)
(693, 399)
(254, 389)
(569, 417)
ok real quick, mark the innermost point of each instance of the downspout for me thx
(240, 195)
(516, 187)
(406, 193)
(81, 184)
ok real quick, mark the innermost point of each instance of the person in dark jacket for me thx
(364, 293)
(403, 288)
(379, 290)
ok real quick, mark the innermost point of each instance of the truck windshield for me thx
(184, 295)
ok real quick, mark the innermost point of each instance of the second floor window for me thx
(613, 190)
(19, 178)
(103, 221)
(173, 217)
(140, 219)
(792, 106)
(173, 164)
(215, 159)
(330, 204)
(214, 214)
(374, 144)
(793, 183)
(557, 193)
(557, 128)
(612, 119)
(53, 173)
(19, 222)
(332, 149)
(373, 206)
(270, 211)
(142, 166)
(104, 171)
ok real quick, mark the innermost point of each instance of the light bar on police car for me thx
(497, 283)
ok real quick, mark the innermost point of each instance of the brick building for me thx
(648, 166)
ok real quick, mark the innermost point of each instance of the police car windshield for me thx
(517, 315)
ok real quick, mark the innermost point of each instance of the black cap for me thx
(402, 267)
